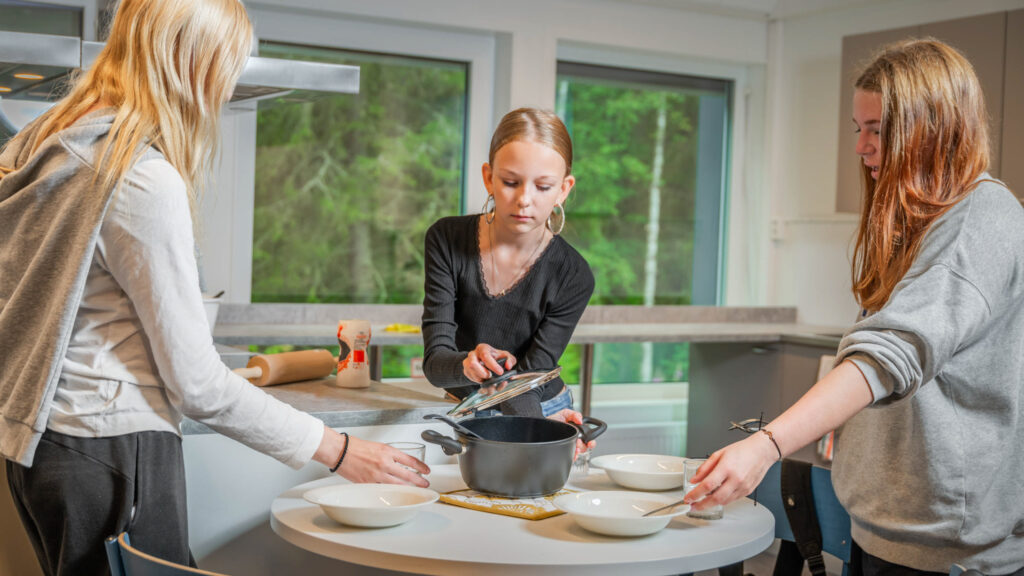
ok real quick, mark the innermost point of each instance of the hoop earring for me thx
(488, 209)
(561, 219)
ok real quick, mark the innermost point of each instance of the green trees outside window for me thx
(649, 159)
(347, 185)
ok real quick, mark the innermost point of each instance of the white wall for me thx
(811, 267)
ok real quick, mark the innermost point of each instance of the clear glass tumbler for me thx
(580, 467)
(414, 449)
(690, 470)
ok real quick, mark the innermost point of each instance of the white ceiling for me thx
(762, 9)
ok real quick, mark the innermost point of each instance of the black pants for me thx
(79, 491)
(864, 564)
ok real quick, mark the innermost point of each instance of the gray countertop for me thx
(586, 333)
(380, 404)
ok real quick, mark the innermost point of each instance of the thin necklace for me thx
(522, 268)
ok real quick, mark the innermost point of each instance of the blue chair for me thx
(127, 561)
(833, 520)
(958, 570)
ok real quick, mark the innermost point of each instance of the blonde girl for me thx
(105, 345)
(929, 383)
(503, 289)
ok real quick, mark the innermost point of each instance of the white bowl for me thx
(620, 513)
(371, 505)
(643, 471)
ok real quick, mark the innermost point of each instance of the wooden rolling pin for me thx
(270, 369)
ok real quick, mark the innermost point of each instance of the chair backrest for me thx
(127, 561)
(833, 520)
(958, 570)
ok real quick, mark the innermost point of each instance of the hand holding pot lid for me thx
(508, 385)
(485, 362)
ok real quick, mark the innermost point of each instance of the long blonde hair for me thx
(934, 145)
(167, 67)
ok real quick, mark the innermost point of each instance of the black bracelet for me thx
(772, 438)
(343, 452)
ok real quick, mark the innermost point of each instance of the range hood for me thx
(32, 67)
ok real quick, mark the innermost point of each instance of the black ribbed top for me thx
(533, 320)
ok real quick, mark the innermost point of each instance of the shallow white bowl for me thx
(620, 513)
(371, 505)
(643, 471)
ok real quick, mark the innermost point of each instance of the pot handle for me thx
(450, 446)
(596, 428)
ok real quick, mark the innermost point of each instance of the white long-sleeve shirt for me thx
(141, 354)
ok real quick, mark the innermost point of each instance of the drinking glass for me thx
(580, 467)
(689, 471)
(414, 449)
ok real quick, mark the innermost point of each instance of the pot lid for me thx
(511, 384)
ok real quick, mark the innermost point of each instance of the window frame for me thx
(710, 202)
(740, 246)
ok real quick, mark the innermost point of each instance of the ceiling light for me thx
(28, 76)
(4, 89)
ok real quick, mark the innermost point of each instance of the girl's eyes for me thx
(514, 184)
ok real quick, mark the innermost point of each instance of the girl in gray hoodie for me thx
(929, 383)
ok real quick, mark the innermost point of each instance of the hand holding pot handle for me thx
(597, 427)
(587, 435)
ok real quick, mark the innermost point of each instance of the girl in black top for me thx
(503, 286)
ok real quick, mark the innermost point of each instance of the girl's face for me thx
(527, 180)
(867, 115)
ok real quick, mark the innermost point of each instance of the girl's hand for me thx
(732, 472)
(368, 462)
(481, 361)
(570, 416)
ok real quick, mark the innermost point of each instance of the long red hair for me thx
(934, 140)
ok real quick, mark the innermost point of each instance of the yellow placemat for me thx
(530, 508)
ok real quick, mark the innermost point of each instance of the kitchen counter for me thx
(380, 404)
(585, 333)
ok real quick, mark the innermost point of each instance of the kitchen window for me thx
(347, 185)
(650, 155)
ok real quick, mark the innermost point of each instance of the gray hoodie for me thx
(932, 472)
(50, 214)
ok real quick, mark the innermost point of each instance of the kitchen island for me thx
(743, 361)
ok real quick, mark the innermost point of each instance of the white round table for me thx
(446, 539)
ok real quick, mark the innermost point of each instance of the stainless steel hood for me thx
(33, 66)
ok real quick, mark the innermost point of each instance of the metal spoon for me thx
(672, 505)
(458, 427)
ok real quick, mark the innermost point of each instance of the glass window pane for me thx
(346, 185)
(649, 154)
(649, 158)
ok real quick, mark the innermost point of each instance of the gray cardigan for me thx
(50, 214)
(931, 472)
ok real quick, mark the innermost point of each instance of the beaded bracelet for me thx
(772, 438)
(343, 452)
